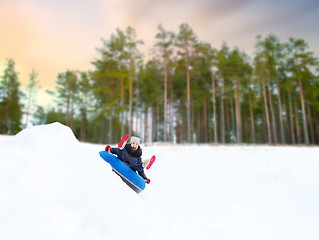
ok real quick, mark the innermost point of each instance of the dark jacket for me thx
(132, 159)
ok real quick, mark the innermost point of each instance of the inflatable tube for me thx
(132, 179)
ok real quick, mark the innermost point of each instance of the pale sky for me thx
(52, 36)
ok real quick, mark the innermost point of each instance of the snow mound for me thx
(51, 136)
(53, 188)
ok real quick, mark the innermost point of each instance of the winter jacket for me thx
(131, 158)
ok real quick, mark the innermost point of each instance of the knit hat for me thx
(135, 140)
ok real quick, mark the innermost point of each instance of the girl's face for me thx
(134, 146)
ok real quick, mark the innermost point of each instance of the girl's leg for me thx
(137, 167)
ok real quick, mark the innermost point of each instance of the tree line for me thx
(187, 92)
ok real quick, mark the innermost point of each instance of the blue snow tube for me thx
(132, 179)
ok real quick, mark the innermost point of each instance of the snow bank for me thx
(236, 192)
(54, 187)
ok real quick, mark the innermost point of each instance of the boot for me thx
(123, 141)
(148, 163)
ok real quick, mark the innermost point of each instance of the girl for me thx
(131, 154)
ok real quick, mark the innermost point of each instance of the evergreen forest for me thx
(186, 91)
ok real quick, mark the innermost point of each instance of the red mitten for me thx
(108, 147)
(146, 180)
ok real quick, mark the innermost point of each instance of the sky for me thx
(52, 36)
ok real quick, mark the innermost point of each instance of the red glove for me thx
(108, 147)
(146, 180)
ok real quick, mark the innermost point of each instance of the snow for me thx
(54, 187)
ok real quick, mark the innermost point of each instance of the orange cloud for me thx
(53, 36)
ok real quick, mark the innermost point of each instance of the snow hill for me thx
(54, 187)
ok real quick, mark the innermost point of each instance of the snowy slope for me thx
(54, 187)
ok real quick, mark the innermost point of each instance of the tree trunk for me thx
(264, 126)
(137, 109)
(83, 124)
(266, 109)
(238, 113)
(280, 114)
(183, 125)
(210, 130)
(304, 118)
(111, 125)
(297, 123)
(316, 123)
(198, 126)
(291, 114)
(227, 113)
(222, 118)
(155, 123)
(245, 135)
(67, 115)
(28, 107)
(272, 112)
(252, 120)
(171, 112)
(214, 107)
(165, 101)
(72, 111)
(131, 97)
(122, 118)
(188, 105)
(311, 127)
(205, 135)
(233, 130)
(146, 137)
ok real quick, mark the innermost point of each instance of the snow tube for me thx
(132, 179)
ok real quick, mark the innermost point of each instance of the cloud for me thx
(49, 38)
(52, 36)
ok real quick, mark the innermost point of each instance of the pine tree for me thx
(85, 90)
(39, 116)
(132, 55)
(10, 106)
(67, 89)
(31, 91)
(301, 63)
(165, 42)
(186, 41)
